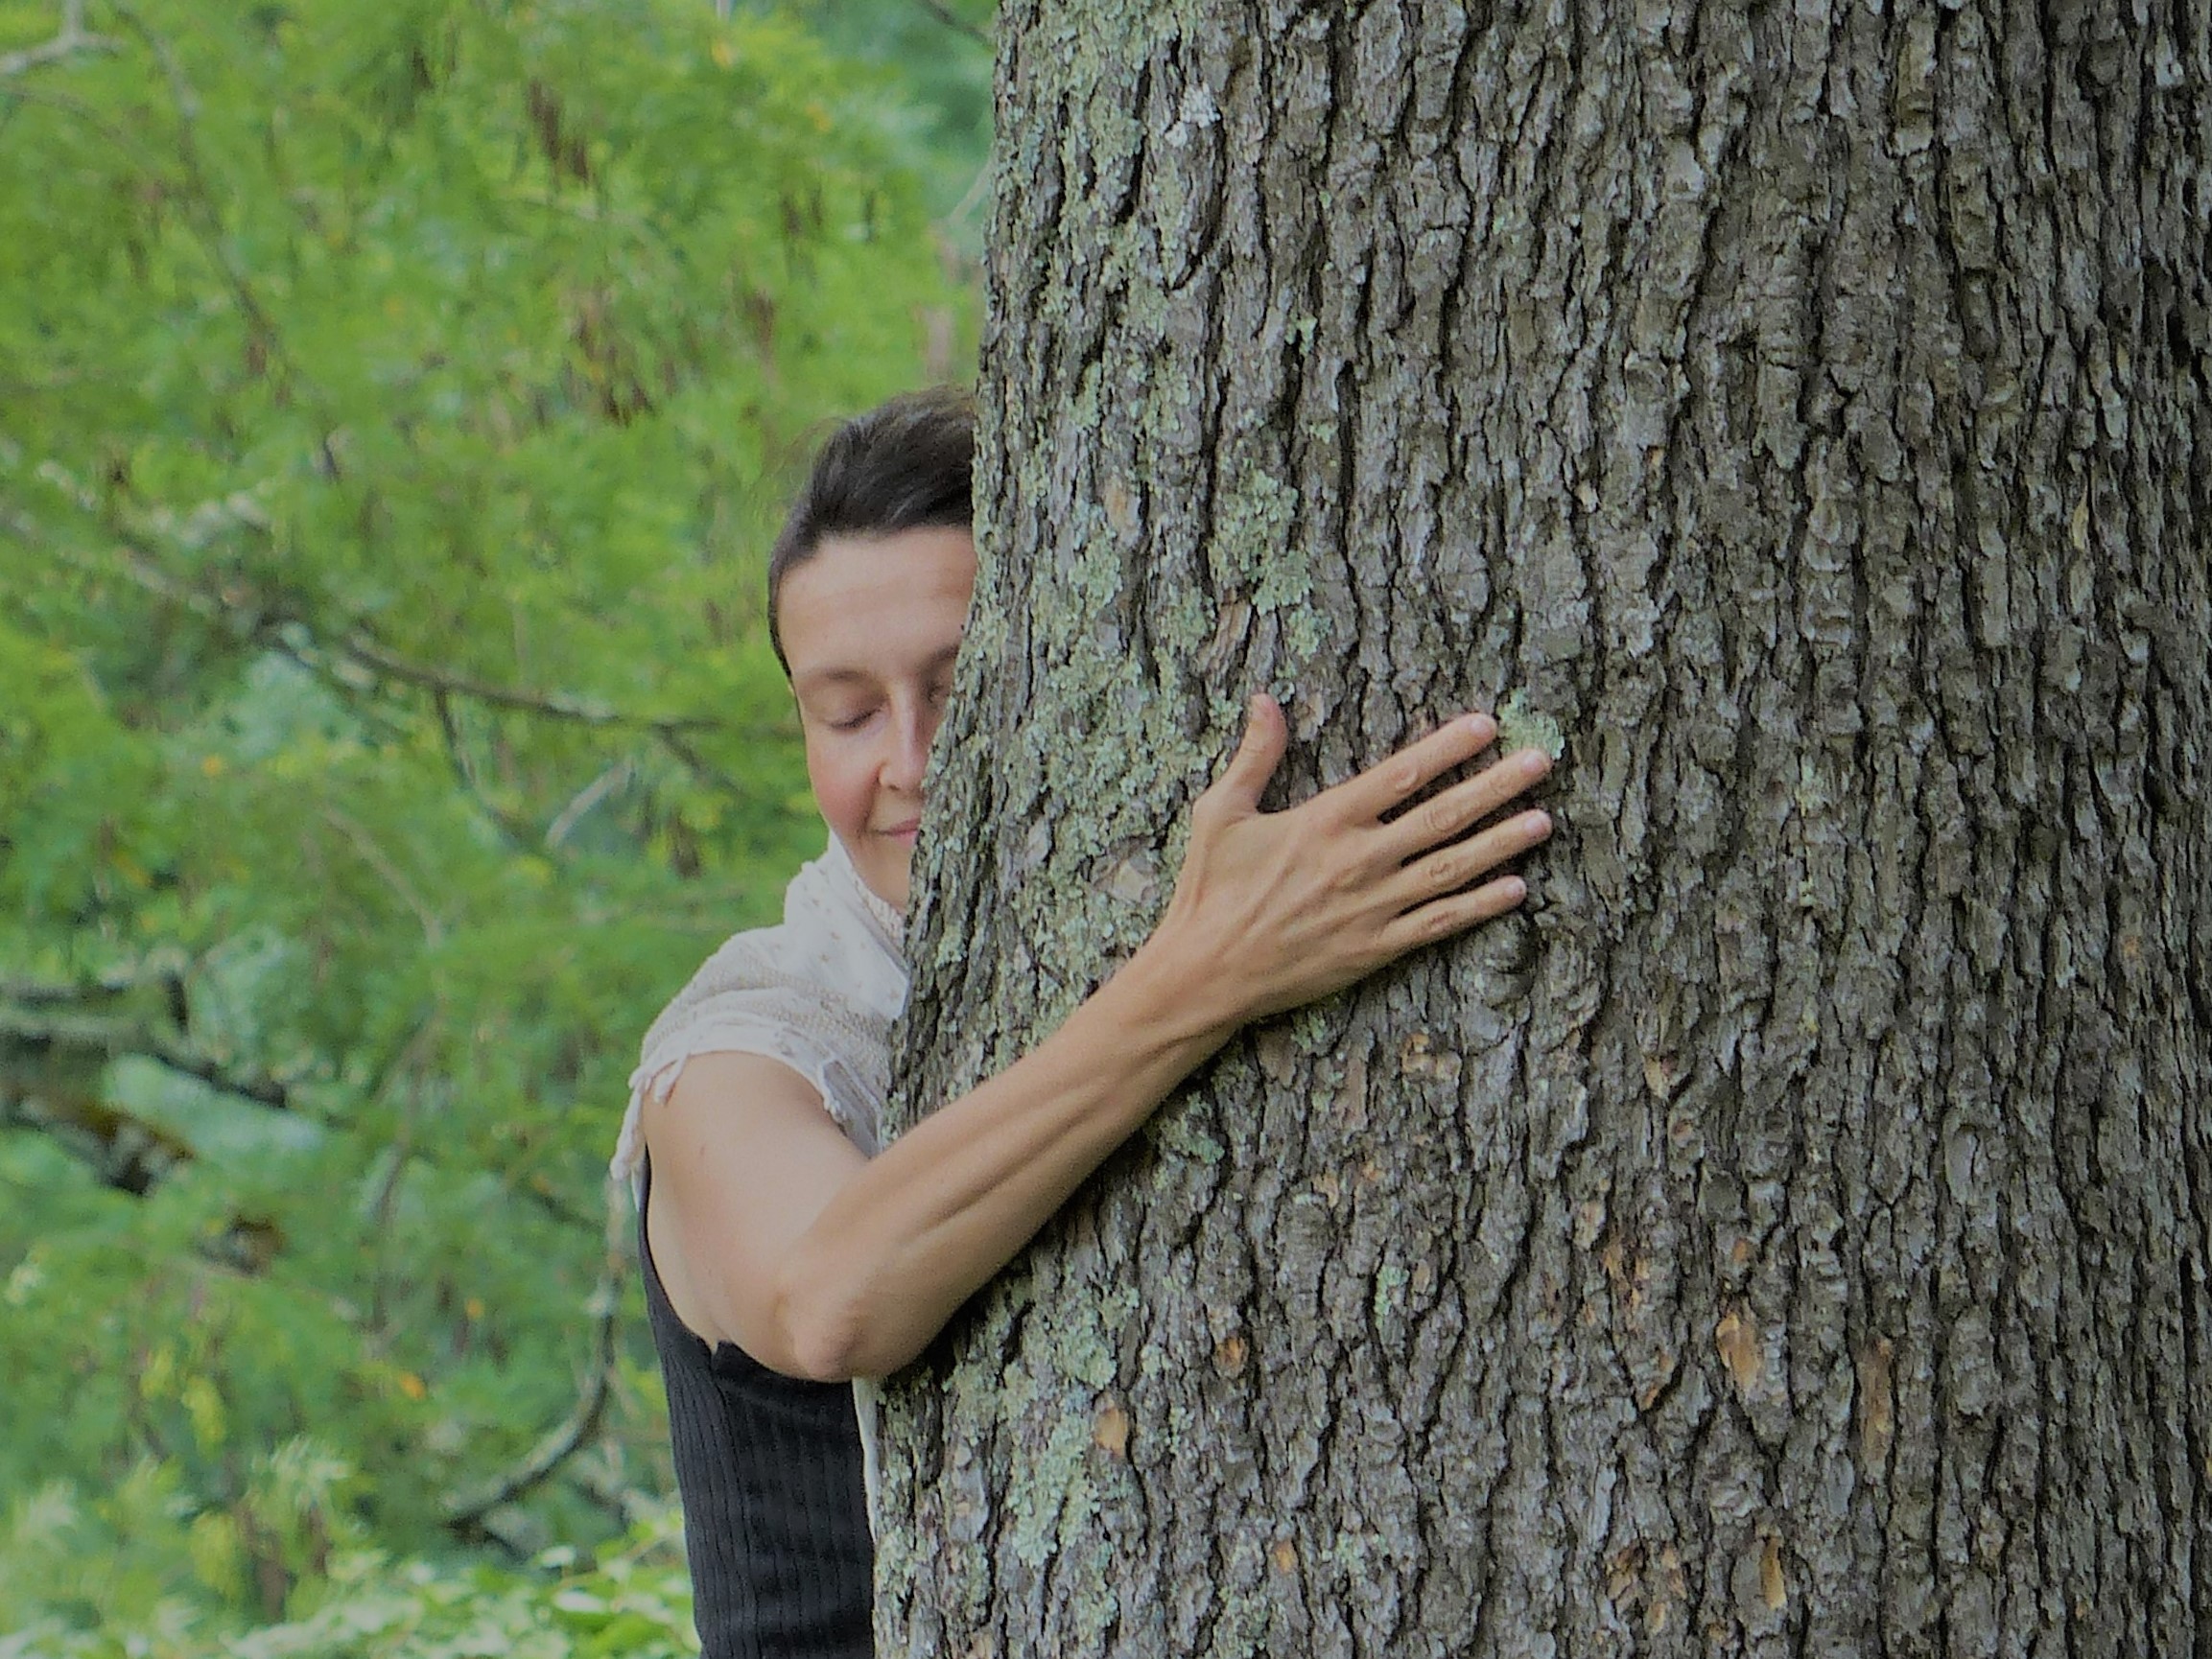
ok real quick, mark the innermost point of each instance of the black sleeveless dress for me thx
(775, 1509)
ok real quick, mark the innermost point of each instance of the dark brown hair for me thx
(905, 465)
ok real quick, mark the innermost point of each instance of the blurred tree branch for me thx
(952, 20)
(388, 872)
(207, 206)
(356, 658)
(38, 1019)
(361, 648)
(121, 1152)
(612, 781)
(69, 40)
(459, 756)
(466, 1511)
(55, 1040)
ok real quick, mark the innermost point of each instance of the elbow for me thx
(820, 1335)
(826, 1334)
(823, 1352)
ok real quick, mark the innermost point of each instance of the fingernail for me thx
(1534, 762)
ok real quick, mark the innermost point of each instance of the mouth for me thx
(905, 831)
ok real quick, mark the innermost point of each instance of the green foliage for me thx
(935, 52)
(632, 1602)
(394, 401)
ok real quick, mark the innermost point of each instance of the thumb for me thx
(1266, 734)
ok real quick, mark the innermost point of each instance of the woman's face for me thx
(870, 627)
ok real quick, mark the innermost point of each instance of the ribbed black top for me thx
(775, 1513)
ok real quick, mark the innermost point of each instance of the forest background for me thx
(395, 402)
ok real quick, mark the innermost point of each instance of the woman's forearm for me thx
(895, 1252)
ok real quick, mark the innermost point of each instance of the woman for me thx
(783, 1255)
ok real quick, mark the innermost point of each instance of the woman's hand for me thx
(1275, 909)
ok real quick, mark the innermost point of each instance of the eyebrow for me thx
(846, 676)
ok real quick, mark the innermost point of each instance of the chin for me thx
(888, 881)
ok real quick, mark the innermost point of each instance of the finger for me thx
(1442, 918)
(1393, 782)
(1451, 814)
(1448, 869)
(1266, 735)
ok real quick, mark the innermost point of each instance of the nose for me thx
(913, 724)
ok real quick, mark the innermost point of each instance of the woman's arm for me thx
(770, 1229)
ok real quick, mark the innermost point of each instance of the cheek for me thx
(841, 788)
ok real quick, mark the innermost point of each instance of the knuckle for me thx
(1453, 867)
(1438, 820)
(1492, 789)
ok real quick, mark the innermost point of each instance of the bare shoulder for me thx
(744, 1156)
(725, 1082)
(738, 1117)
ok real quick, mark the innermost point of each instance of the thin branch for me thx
(546, 1199)
(402, 1150)
(203, 215)
(163, 969)
(465, 1512)
(210, 204)
(77, 110)
(112, 1037)
(952, 20)
(247, 1086)
(464, 771)
(557, 705)
(396, 878)
(979, 188)
(696, 763)
(54, 1038)
(69, 40)
(119, 1151)
(615, 776)
(622, 1504)
(265, 621)
(274, 623)
(673, 732)
(257, 625)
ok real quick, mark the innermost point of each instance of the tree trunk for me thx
(1791, 1234)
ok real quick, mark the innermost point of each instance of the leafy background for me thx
(395, 404)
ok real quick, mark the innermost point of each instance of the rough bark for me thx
(1793, 1234)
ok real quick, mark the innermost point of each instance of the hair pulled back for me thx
(907, 464)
